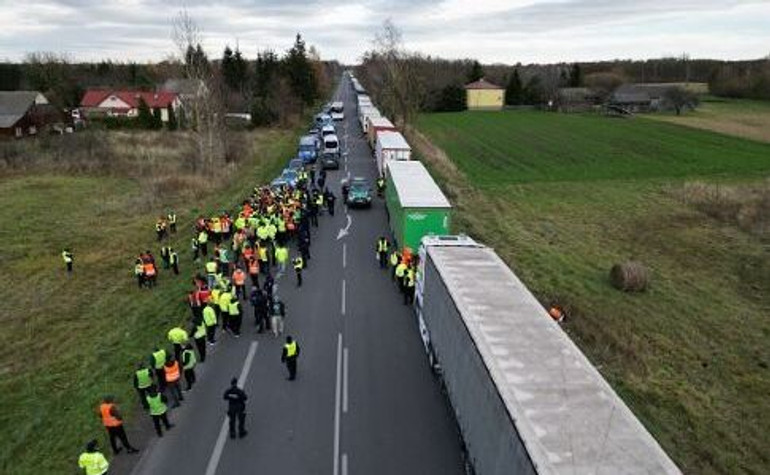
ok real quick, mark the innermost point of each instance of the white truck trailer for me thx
(525, 397)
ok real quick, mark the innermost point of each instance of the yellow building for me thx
(483, 95)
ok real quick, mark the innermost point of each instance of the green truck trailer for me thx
(416, 205)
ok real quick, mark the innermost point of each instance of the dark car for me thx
(330, 161)
(360, 192)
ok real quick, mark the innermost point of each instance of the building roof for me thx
(392, 140)
(414, 185)
(378, 121)
(568, 417)
(14, 104)
(482, 84)
(161, 99)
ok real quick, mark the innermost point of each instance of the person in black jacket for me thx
(259, 302)
(236, 408)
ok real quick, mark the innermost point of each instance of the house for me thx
(483, 95)
(25, 113)
(648, 97)
(123, 103)
(576, 99)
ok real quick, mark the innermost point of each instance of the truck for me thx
(526, 399)
(365, 113)
(308, 148)
(415, 204)
(390, 147)
(375, 125)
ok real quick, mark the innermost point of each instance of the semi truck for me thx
(390, 147)
(415, 204)
(526, 399)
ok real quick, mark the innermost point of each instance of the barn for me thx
(24, 113)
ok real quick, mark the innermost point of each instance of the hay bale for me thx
(630, 276)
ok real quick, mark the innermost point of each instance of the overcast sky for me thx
(504, 31)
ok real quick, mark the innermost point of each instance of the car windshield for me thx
(359, 185)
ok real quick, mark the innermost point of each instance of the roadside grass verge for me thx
(68, 341)
(689, 356)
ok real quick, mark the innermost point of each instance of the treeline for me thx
(438, 83)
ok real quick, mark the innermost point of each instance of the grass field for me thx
(67, 341)
(563, 198)
(739, 117)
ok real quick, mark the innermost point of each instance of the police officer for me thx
(142, 382)
(382, 251)
(157, 360)
(210, 319)
(92, 461)
(299, 263)
(289, 356)
(173, 259)
(68, 258)
(171, 217)
(188, 365)
(236, 408)
(158, 409)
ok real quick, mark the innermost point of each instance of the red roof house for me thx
(126, 103)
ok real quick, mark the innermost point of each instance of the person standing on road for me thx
(142, 382)
(289, 356)
(281, 257)
(172, 375)
(210, 319)
(382, 251)
(199, 336)
(299, 263)
(157, 360)
(329, 199)
(395, 258)
(158, 409)
(236, 408)
(188, 365)
(235, 318)
(400, 275)
(68, 258)
(277, 314)
(178, 337)
(92, 461)
(113, 422)
(409, 281)
(259, 303)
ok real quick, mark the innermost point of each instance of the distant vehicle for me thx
(296, 164)
(322, 119)
(331, 144)
(337, 109)
(288, 177)
(330, 161)
(328, 130)
(308, 149)
(360, 193)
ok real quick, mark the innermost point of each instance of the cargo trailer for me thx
(365, 114)
(375, 125)
(391, 147)
(526, 399)
(416, 206)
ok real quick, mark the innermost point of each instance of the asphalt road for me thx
(365, 400)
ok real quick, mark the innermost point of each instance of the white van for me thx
(328, 130)
(337, 109)
(331, 145)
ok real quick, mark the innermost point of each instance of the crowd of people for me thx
(238, 258)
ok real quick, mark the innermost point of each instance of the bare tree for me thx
(400, 87)
(206, 105)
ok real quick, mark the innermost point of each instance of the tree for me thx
(514, 91)
(476, 72)
(576, 76)
(300, 73)
(534, 92)
(226, 67)
(172, 123)
(157, 119)
(266, 72)
(10, 77)
(451, 99)
(144, 119)
(680, 98)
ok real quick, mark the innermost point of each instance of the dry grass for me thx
(746, 206)
(741, 118)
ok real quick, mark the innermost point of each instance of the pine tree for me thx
(476, 72)
(240, 70)
(576, 76)
(144, 118)
(227, 66)
(172, 123)
(157, 119)
(300, 72)
(514, 92)
(265, 72)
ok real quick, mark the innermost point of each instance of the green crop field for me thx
(564, 197)
(523, 147)
(65, 342)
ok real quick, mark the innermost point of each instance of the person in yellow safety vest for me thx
(156, 402)
(178, 337)
(395, 258)
(160, 228)
(139, 272)
(281, 257)
(199, 337)
(171, 217)
(319, 201)
(409, 281)
(113, 422)
(272, 230)
(68, 259)
(172, 374)
(224, 308)
(299, 263)
(142, 382)
(173, 259)
(289, 356)
(203, 239)
(382, 251)
(211, 272)
(234, 314)
(210, 319)
(264, 266)
(157, 360)
(189, 361)
(380, 186)
(92, 461)
(400, 273)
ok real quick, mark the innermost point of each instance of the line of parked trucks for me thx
(526, 399)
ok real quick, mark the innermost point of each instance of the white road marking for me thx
(211, 468)
(343, 296)
(344, 231)
(336, 407)
(345, 381)
(344, 255)
(344, 464)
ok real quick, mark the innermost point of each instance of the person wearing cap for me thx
(92, 461)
